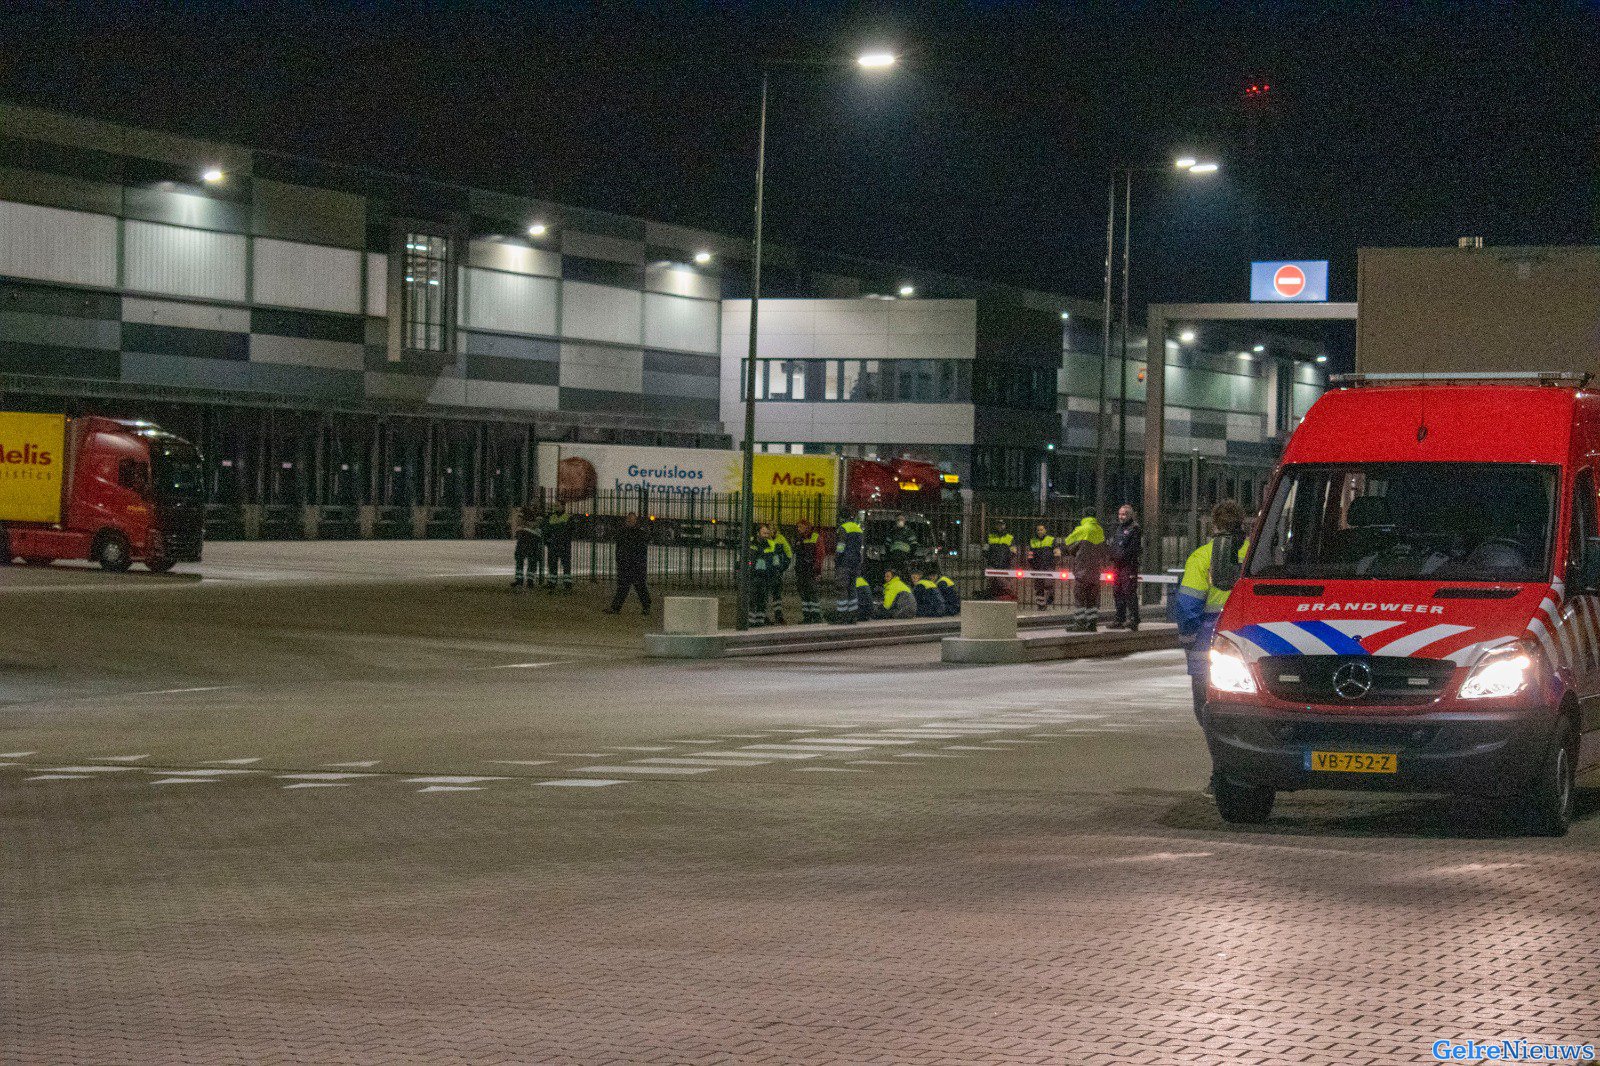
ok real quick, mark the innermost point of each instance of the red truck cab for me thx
(131, 492)
(1419, 610)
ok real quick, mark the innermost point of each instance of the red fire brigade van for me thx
(1420, 607)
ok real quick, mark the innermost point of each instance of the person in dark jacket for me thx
(847, 570)
(866, 604)
(633, 557)
(807, 542)
(929, 603)
(768, 558)
(1000, 553)
(950, 594)
(527, 535)
(1043, 557)
(558, 548)
(1125, 545)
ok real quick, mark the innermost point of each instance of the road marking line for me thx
(708, 762)
(970, 747)
(795, 731)
(178, 691)
(763, 754)
(740, 736)
(360, 762)
(644, 747)
(882, 741)
(702, 740)
(826, 749)
(519, 666)
(638, 770)
(451, 780)
(925, 755)
(581, 754)
(90, 769)
(235, 762)
(184, 781)
(318, 784)
(1013, 742)
(523, 762)
(120, 758)
(578, 782)
(322, 777)
(870, 762)
(58, 777)
(218, 772)
(16, 754)
(826, 770)
(451, 788)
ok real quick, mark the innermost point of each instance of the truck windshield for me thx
(175, 470)
(1428, 521)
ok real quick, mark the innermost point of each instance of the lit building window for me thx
(424, 293)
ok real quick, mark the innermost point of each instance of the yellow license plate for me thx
(1353, 762)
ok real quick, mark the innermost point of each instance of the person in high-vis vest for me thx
(950, 594)
(766, 562)
(865, 607)
(929, 603)
(558, 548)
(1085, 547)
(1208, 578)
(1000, 553)
(806, 564)
(898, 599)
(847, 557)
(1043, 555)
(785, 559)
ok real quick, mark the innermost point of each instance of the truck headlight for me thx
(1499, 672)
(1229, 672)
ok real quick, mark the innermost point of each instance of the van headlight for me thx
(1499, 672)
(1229, 671)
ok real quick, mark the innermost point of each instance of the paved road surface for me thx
(307, 818)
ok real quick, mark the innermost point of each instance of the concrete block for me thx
(685, 645)
(988, 620)
(691, 615)
(964, 650)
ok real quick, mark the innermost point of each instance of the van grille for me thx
(1394, 680)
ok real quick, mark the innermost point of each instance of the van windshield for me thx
(1432, 521)
(175, 470)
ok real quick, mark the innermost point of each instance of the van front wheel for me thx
(111, 551)
(1241, 804)
(1546, 807)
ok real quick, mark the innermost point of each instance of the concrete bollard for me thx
(988, 620)
(690, 615)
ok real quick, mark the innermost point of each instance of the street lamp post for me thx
(1190, 166)
(867, 61)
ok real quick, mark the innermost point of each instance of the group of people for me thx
(542, 547)
(1088, 553)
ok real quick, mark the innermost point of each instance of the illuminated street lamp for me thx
(1186, 164)
(872, 61)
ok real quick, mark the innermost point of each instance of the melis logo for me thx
(27, 455)
(799, 481)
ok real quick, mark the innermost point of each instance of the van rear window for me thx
(1410, 521)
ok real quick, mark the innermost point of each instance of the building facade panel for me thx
(178, 261)
(312, 276)
(601, 313)
(50, 244)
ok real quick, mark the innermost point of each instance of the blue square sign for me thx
(1293, 279)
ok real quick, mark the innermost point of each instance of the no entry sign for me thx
(1305, 280)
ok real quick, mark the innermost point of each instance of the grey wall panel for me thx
(680, 385)
(51, 300)
(601, 313)
(596, 367)
(312, 325)
(312, 382)
(522, 371)
(28, 327)
(316, 277)
(677, 322)
(49, 244)
(620, 403)
(377, 285)
(510, 303)
(445, 389)
(301, 213)
(676, 279)
(506, 396)
(601, 272)
(678, 407)
(508, 346)
(191, 209)
(185, 315)
(54, 360)
(594, 246)
(298, 351)
(193, 343)
(514, 258)
(184, 262)
(682, 363)
(59, 190)
(143, 368)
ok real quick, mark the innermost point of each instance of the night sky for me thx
(986, 155)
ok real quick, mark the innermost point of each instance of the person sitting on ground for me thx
(866, 602)
(949, 594)
(929, 603)
(898, 599)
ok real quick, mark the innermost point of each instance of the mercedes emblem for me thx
(1352, 680)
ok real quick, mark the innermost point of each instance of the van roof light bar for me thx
(1571, 379)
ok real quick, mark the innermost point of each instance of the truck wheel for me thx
(111, 551)
(161, 566)
(1241, 804)
(1546, 807)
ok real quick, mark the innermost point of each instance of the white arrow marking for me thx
(358, 762)
(120, 758)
